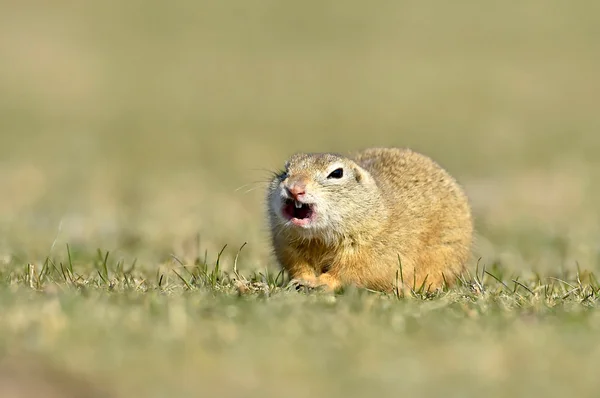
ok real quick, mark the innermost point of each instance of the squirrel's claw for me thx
(307, 285)
(301, 284)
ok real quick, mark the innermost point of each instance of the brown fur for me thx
(394, 204)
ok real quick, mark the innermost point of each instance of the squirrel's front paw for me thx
(312, 284)
(303, 284)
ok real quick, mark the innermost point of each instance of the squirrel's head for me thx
(321, 195)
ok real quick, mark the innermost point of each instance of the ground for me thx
(136, 141)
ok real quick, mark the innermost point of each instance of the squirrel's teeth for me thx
(297, 204)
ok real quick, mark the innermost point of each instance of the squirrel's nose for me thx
(296, 190)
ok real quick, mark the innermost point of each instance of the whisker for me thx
(260, 183)
(251, 190)
(263, 169)
(271, 173)
(241, 187)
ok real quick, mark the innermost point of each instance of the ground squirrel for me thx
(359, 220)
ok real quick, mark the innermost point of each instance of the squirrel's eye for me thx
(337, 173)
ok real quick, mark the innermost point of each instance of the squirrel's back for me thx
(410, 181)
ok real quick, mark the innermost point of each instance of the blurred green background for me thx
(134, 126)
(139, 126)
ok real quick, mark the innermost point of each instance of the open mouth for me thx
(297, 212)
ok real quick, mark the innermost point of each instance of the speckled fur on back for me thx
(396, 209)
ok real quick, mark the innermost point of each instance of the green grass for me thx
(190, 330)
(148, 129)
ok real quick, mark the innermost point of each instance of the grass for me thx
(148, 131)
(193, 329)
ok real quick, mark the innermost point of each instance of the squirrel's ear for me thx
(358, 174)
